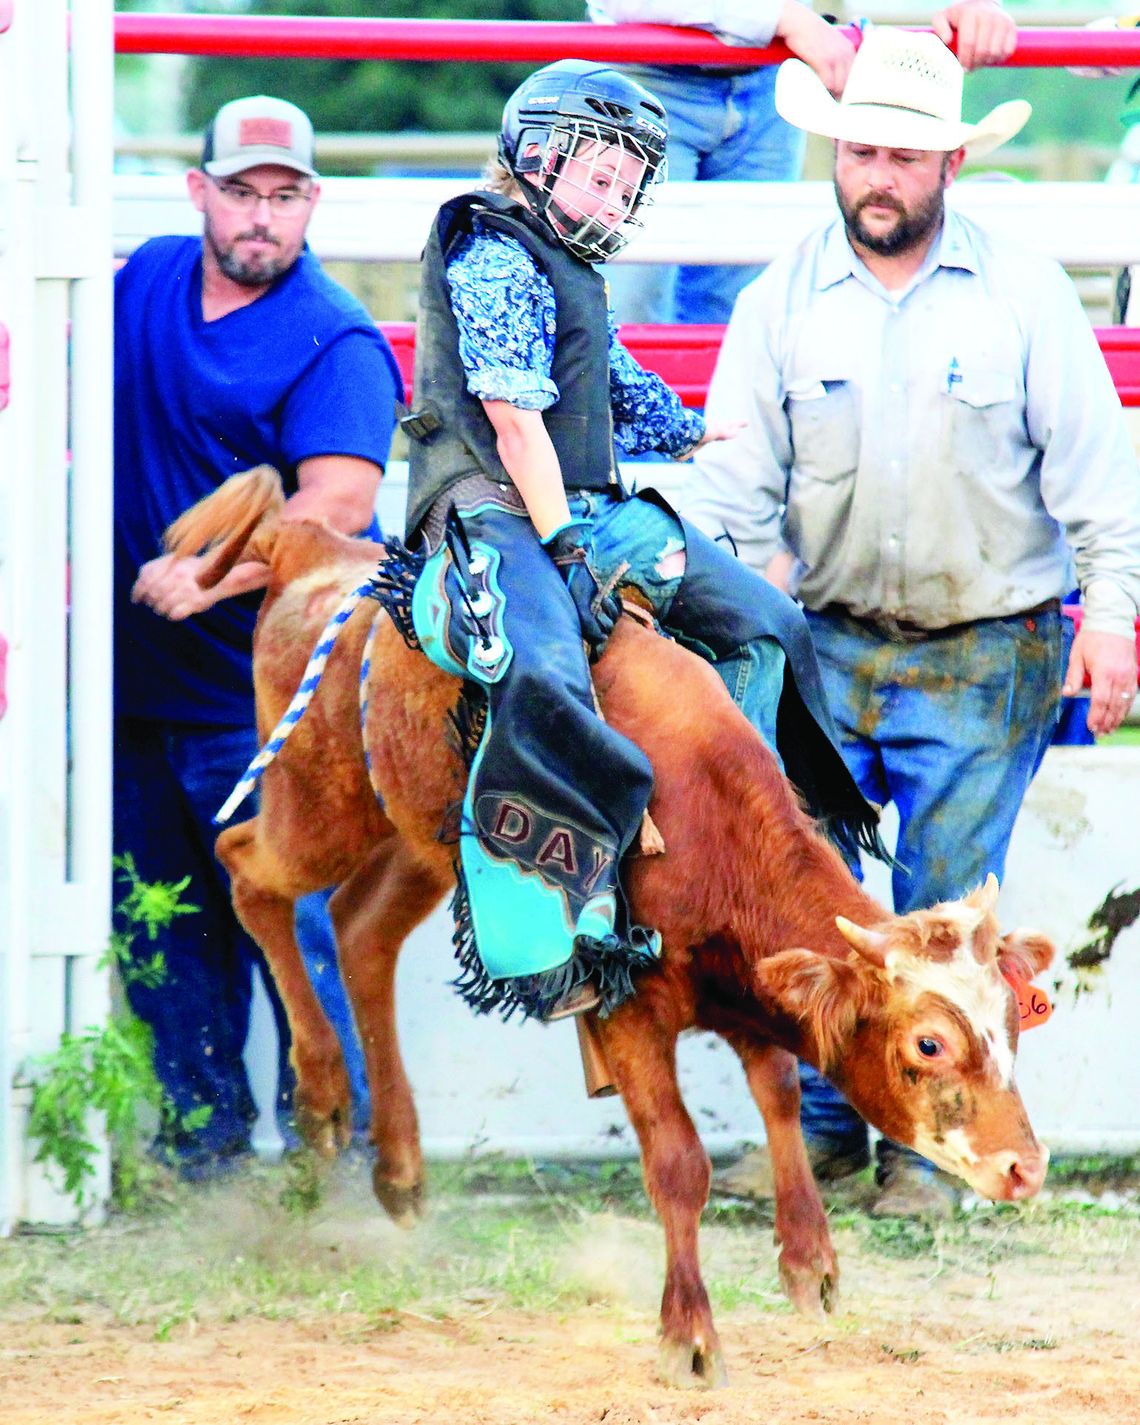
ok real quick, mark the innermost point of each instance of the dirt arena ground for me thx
(224, 1308)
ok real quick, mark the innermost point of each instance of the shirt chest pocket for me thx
(980, 412)
(823, 419)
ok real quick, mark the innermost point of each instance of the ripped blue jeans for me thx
(651, 542)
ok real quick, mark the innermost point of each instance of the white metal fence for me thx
(55, 500)
(55, 552)
(387, 219)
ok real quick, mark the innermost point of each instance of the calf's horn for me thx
(871, 944)
(986, 896)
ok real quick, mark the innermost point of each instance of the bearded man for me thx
(231, 351)
(934, 449)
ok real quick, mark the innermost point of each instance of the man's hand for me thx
(986, 34)
(569, 547)
(725, 430)
(169, 585)
(779, 568)
(823, 46)
(1109, 660)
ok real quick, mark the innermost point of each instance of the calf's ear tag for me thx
(1033, 1006)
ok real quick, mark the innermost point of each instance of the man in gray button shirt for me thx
(934, 456)
(723, 124)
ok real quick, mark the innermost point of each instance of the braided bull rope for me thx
(301, 700)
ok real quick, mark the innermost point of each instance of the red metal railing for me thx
(500, 40)
(684, 356)
(1121, 348)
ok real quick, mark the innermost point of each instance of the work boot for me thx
(751, 1175)
(910, 1189)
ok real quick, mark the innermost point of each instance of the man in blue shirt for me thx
(230, 352)
(934, 456)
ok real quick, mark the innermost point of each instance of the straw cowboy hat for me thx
(904, 91)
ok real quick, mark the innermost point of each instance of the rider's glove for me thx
(570, 547)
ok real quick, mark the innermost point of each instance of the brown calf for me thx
(768, 939)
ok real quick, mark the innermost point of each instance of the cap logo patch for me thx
(274, 133)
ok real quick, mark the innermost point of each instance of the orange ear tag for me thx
(1033, 1006)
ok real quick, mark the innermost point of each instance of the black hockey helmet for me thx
(579, 108)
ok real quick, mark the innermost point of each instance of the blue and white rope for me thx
(296, 709)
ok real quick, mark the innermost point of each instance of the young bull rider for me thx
(521, 386)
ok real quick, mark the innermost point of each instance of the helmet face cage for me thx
(566, 125)
(571, 156)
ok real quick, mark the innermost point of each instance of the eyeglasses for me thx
(283, 202)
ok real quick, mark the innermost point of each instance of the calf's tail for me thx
(238, 521)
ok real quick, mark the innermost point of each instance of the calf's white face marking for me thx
(977, 991)
(952, 1151)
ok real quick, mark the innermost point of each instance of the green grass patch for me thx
(293, 1241)
(1095, 1170)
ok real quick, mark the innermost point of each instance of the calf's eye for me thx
(929, 1048)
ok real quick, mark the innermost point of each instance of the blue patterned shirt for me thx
(505, 310)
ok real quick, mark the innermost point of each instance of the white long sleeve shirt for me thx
(942, 454)
(751, 22)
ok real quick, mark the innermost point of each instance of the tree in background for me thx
(384, 96)
(345, 96)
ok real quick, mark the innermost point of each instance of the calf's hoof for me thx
(812, 1290)
(403, 1204)
(690, 1366)
(326, 1134)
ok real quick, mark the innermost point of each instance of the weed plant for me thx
(104, 1074)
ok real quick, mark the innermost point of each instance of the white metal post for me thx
(89, 826)
(55, 274)
(11, 862)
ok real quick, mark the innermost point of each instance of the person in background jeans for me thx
(933, 443)
(723, 124)
(231, 351)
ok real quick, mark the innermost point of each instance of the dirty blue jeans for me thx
(170, 779)
(721, 127)
(952, 730)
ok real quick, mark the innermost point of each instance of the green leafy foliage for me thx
(150, 905)
(1067, 109)
(343, 96)
(147, 906)
(99, 1071)
(108, 1070)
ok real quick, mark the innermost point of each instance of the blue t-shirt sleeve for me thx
(504, 308)
(344, 403)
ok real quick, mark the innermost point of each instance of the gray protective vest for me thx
(451, 437)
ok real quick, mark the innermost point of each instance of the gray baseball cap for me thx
(247, 132)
